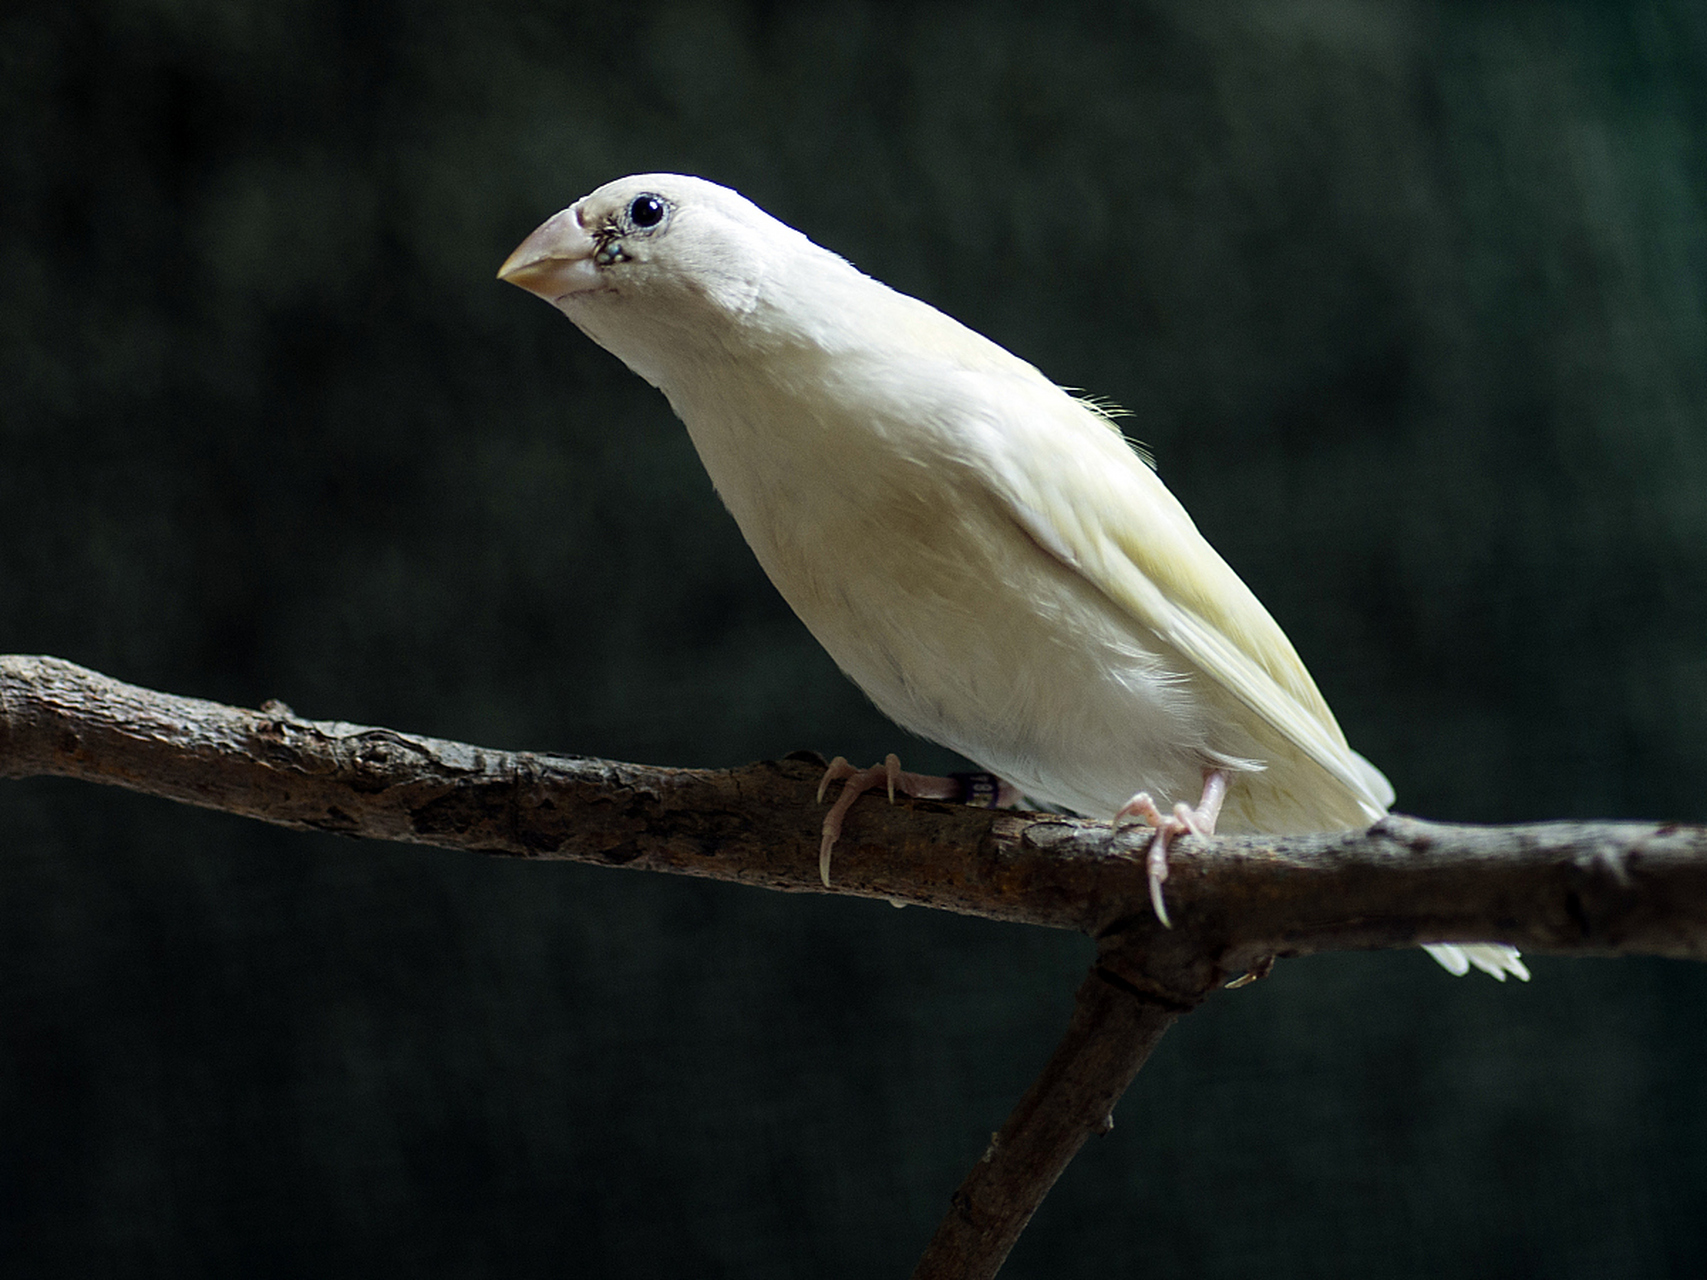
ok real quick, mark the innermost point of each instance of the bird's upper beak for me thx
(556, 260)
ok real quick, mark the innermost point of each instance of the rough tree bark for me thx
(1237, 903)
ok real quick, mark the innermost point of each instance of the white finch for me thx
(981, 552)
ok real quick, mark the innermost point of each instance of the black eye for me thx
(646, 211)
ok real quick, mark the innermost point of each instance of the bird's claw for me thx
(855, 783)
(1183, 821)
(837, 769)
(1156, 863)
(1192, 821)
(979, 789)
(1142, 809)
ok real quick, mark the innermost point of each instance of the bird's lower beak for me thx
(556, 260)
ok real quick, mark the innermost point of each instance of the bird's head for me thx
(655, 266)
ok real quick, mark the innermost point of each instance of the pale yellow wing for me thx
(1085, 497)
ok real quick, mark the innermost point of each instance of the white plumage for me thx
(981, 552)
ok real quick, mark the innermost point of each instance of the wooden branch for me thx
(1605, 888)
(1237, 902)
(1113, 1030)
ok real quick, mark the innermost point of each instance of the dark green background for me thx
(1410, 302)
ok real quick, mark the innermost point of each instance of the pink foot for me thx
(1184, 820)
(980, 790)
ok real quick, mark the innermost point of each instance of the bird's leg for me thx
(1184, 820)
(981, 790)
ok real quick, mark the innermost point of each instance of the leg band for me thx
(979, 790)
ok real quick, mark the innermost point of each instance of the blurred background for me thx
(1408, 300)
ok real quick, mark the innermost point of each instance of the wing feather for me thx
(1104, 514)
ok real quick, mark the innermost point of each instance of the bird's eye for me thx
(646, 211)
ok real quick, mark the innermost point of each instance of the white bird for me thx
(981, 552)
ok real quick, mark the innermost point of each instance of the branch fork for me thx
(1237, 903)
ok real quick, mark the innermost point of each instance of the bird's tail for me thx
(1492, 958)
